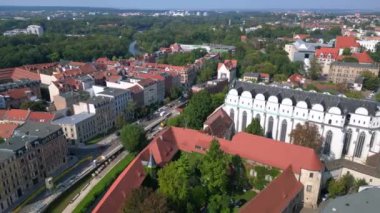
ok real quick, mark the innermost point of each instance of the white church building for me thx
(350, 128)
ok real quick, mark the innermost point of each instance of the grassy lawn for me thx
(103, 184)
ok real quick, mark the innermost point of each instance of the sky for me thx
(204, 4)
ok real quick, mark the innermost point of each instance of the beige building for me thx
(102, 107)
(345, 72)
(35, 152)
(66, 100)
(78, 128)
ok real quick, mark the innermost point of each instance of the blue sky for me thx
(204, 4)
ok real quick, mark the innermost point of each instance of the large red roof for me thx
(7, 129)
(346, 42)
(324, 52)
(42, 117)
(263, 150)
(363, 58)
(16, 115)
(276, 196)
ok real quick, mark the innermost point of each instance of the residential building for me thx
(300, 51)
(347, 72)
(66, 100)
(35, 29)
(350, 128)
(347, 42)
(326, 56)
(120, 97)
(103, 108)
(219, 124)
(78, 128)
(300, 161)
(227, 70)
(369, 43)
(150, 91)
(33, 153)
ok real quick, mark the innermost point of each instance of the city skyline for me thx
(205, 5)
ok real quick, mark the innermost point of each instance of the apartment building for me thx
(347, 72)
(35, 152)
(78, 128)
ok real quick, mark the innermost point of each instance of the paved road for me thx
(70, 208)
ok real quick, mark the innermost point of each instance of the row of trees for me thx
(181, 59)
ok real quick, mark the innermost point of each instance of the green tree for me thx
(34, 106)
(173, 181)
(315, 69)
(255, 128)
(346, 51)
(175, 92)
(130, 110)
(133, 137)
(175, 121)
(354, 94)
(342, 186)
(200, 106)
(377, 97)
(307, 135)
(214, 169)
(145, 200)
(120, 122)
(280, 77)
(218, 204)
(238, 180)
(370, 82)
(350, 59)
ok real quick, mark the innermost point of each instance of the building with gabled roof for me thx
(227, 70)
(301, 162)
(284, 194)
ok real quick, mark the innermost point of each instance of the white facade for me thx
(35, 29)
(349, 129)
(369, 45)
(225, 73)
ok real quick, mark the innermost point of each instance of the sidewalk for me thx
(70, 208)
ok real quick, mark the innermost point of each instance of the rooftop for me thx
(74, 119)
(364, 201)
(113, 92)
(354, 64)
(347, 105)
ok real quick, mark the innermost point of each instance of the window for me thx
(346, 142)
(284, 126)
(308, 188)
(311, 175)
(270, 127)
(232, 114)
(244, 122)
(372, 140)
(359, 146)
(327, 145)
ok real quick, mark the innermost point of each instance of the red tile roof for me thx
(253, 147)
(363, 58)
(276, 196)
(346, 42)
(20, 73)
(324, 52)
(7, 129)
(301, 36)
(146, 82)
(18, 93)
(230, 64)
(42, 117)
(263, 150)
(296, 78)
(16, 115)
(218, 123)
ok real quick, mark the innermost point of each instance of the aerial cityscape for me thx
(189, 106)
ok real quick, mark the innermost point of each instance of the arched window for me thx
(244, 122)
(284, 126)
(270, 127)
(232, 114)
(372, 140)
(359, 146)
(327, 146)
(346, 142)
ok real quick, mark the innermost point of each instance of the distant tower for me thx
(229, 22)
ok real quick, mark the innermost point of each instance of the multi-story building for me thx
(35, 29)
(325, 57)
(103, 108)
(300, 51)
(78, 128)
(66, 100)
(347, 72)
(369, 43)
(227, 70)
(35, 152)
(350, 128)
(121, 98)
(150, 91)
